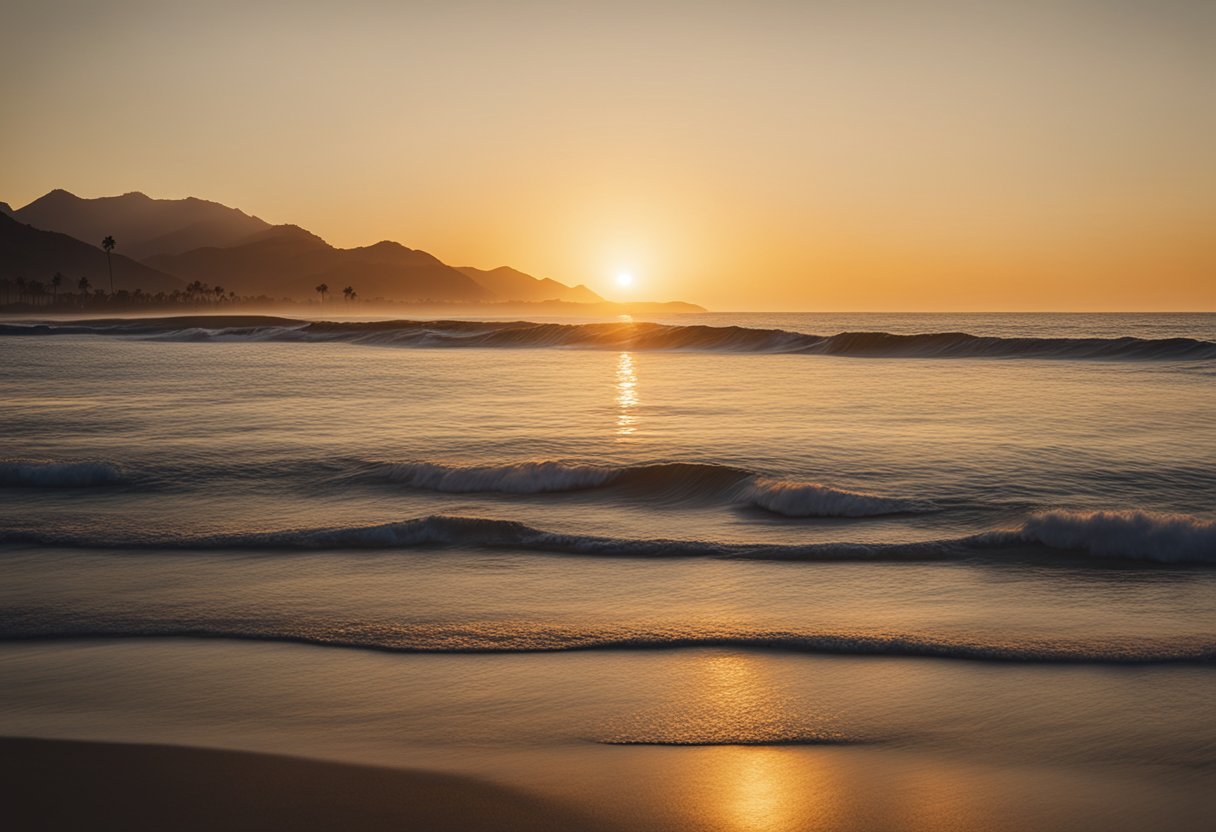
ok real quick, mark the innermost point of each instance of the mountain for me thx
(142, 226)
(509, 284)
(287, 261)
(194, 239)
(36, 255)
(6, 209)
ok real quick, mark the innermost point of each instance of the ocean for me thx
(736, 571)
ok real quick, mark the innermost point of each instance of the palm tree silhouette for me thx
(83, 285)
(322, 290)
(108, 244)
(349, 292)
(219, 293)
(56, 282)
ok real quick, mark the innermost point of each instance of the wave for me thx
(60, 474)
(680, 480)
(516, 637)
(683, 479)
(803, 499)
(627, 337)
(710, 741)
(1138, 535)
(1134, 536)
(517, 478)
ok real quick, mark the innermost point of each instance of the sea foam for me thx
(1138, 535)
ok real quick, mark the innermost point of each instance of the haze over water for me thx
(755, 578)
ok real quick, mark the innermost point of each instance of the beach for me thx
(57, 785)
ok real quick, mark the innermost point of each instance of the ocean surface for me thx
(753, 571)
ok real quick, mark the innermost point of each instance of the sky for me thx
(745, 156)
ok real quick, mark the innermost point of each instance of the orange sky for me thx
(779, 155)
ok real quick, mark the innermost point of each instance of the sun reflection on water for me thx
(626, 396)
(746, 787)
(763, 789)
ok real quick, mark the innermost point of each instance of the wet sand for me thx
(62, 785)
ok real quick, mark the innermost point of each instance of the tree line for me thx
(55, 293)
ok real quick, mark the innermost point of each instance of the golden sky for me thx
(763, 155)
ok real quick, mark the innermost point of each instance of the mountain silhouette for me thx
(143, 226)
(287, 261)
(509, 284)
(37, 255)
(195, 239)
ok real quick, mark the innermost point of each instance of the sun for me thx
(624, 280)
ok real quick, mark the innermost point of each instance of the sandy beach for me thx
(61, 785)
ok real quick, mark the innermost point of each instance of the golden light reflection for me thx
(626, 396)
(759, 788)
(763, 789)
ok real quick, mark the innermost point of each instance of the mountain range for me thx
(167, 243)
(38, 255)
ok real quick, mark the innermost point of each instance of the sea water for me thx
(759, 571)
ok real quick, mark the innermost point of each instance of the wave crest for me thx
(629, 336)
(689, 480)
(526, 637)
(517, 478)
(801, 499)
(1124, 535)
(1138, 535)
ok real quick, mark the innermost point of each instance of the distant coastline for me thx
(63, 254)
(74, 306)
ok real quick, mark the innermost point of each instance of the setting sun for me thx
(624, 280)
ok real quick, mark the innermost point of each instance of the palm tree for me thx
(322, 290)
(83, 285)
(219, 293)
(56, 282)
(349, 292)
(20, 289)
(5, 286)
(108, 244)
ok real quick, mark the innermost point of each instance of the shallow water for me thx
(996, 567)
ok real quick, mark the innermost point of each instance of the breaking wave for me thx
(60, 474)
(627, 336)
(1137, 535)
(682, 479)
(1132, 536)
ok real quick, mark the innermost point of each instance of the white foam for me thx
(1137, 535)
